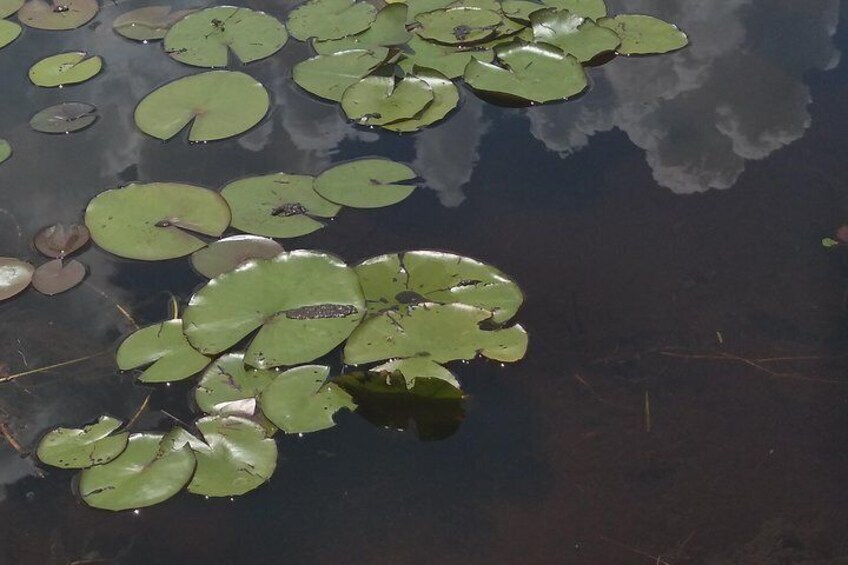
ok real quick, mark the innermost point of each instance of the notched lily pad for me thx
(217, 104)
(72, 448)
(58, 241)
(227, 382)
(155, 221)
(445, 99)
(574, 34)
(278, 205)
(227, 254)
(448, 60)
(378, 100)
(165, 346)
(388, 29)
(645, 35)
(330, 19)
(15, 276)
(64, 69)
(328, 76)
(366, 183)
(152, 469)
(67, 117)
(204, 38)
(592, 9)
(150, 23)
(9, 31)
(58, 14)
(58, 276)
(301, 400)
(458, 26)
(305, 302)
(416, 371)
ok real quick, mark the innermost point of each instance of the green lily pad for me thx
(165, 346)
(64, 118)
(417, 369)
(9, 31)
(366, 183)
(575, 35)
(64, 69)
(58, 14)
(151, 470)
(388, 29)
(328, 76)
(204, 38)
(9, 7)
(445, 59)
(301, 400)
(398, 280)
(529, 71)
(71, 448)
(150, 23)
(5, 150)
(59, 241)
(645, 35)
(278, 205)
(305, 302)
(227, 254)
(218, 104)
(228, 381)
(58, 276)
(445, 99)
(458, 26)
(440, 332)
(520, 10)
(155, 221)
(592, 9)
(378, 100)
(236, 458)
(330, 19)
(15, 276)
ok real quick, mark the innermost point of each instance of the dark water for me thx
(656, 418)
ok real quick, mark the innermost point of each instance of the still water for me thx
(684, 396)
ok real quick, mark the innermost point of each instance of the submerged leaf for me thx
(301, 400)
(445, 99)
(155, 221)
(228, 381)
(64, 69)
(218, 104)
(67, 117)
(328, 76)
(150, 23)
(388, 29)
(58, 276)
(366, 183)
(226, 254)
(458, 26)
(330, 19)
(305, 302)
(379, 100)
(165, 346)
(9, 31)
(277, 205)
(151, 470)
(575, 35)
(440, 332)
(645, 35)
(59, 240)
(15, 276)
(71, 448)
(58, 14)
(204, 38)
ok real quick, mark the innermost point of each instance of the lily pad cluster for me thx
(156, 221)
(395, 67)
(256, 334)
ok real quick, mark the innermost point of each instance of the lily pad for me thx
(520, 10)
(64, 69)
(417, 369)
(592, 9)
(15, 276)
(277, 205)
(440, 332)
(236, 458)
(301, 400)
(67, 117)
(388, 29)
(399, 280)
(529, 71)
(330, 19)
(366, 183)
(150, 23)
(58, 276)
(9, 31)
(226, 254)
(445, 99)
(71, 448)
(378, 100)
(165, 346)
(218, 104)
(58, 14)
(151, 470)
(305, 302)
(458, 26)
(5, 150)
(328, 76)
(575, 35)
(58, 241)
(9, 7)
(446, 59)
(156, 221)
(227, 381)
(204, 38)
(645, 35)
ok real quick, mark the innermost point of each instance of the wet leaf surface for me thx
(301, 400)
(226, 254)
(227, 381)
(72, 448)
(57, 276)
(15, 276)
(575, 35)
(328, 76)
(67, 117)
(60, 240)
(330, 19)
(58, 14)
(64, 69)
(366, 183)
(379, 100)
(645, 35)
(150, 23)
(445, 99)
(165, 346)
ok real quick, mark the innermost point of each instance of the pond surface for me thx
(684, 396)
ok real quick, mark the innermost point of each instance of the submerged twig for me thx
(138, 412)
(657, 559)
(121, 309)
(12, 441)
(51, 367)
(752, 363)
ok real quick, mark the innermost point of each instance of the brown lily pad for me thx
(226, 254)
(55, 277)
(58, 241)
(15, 276)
